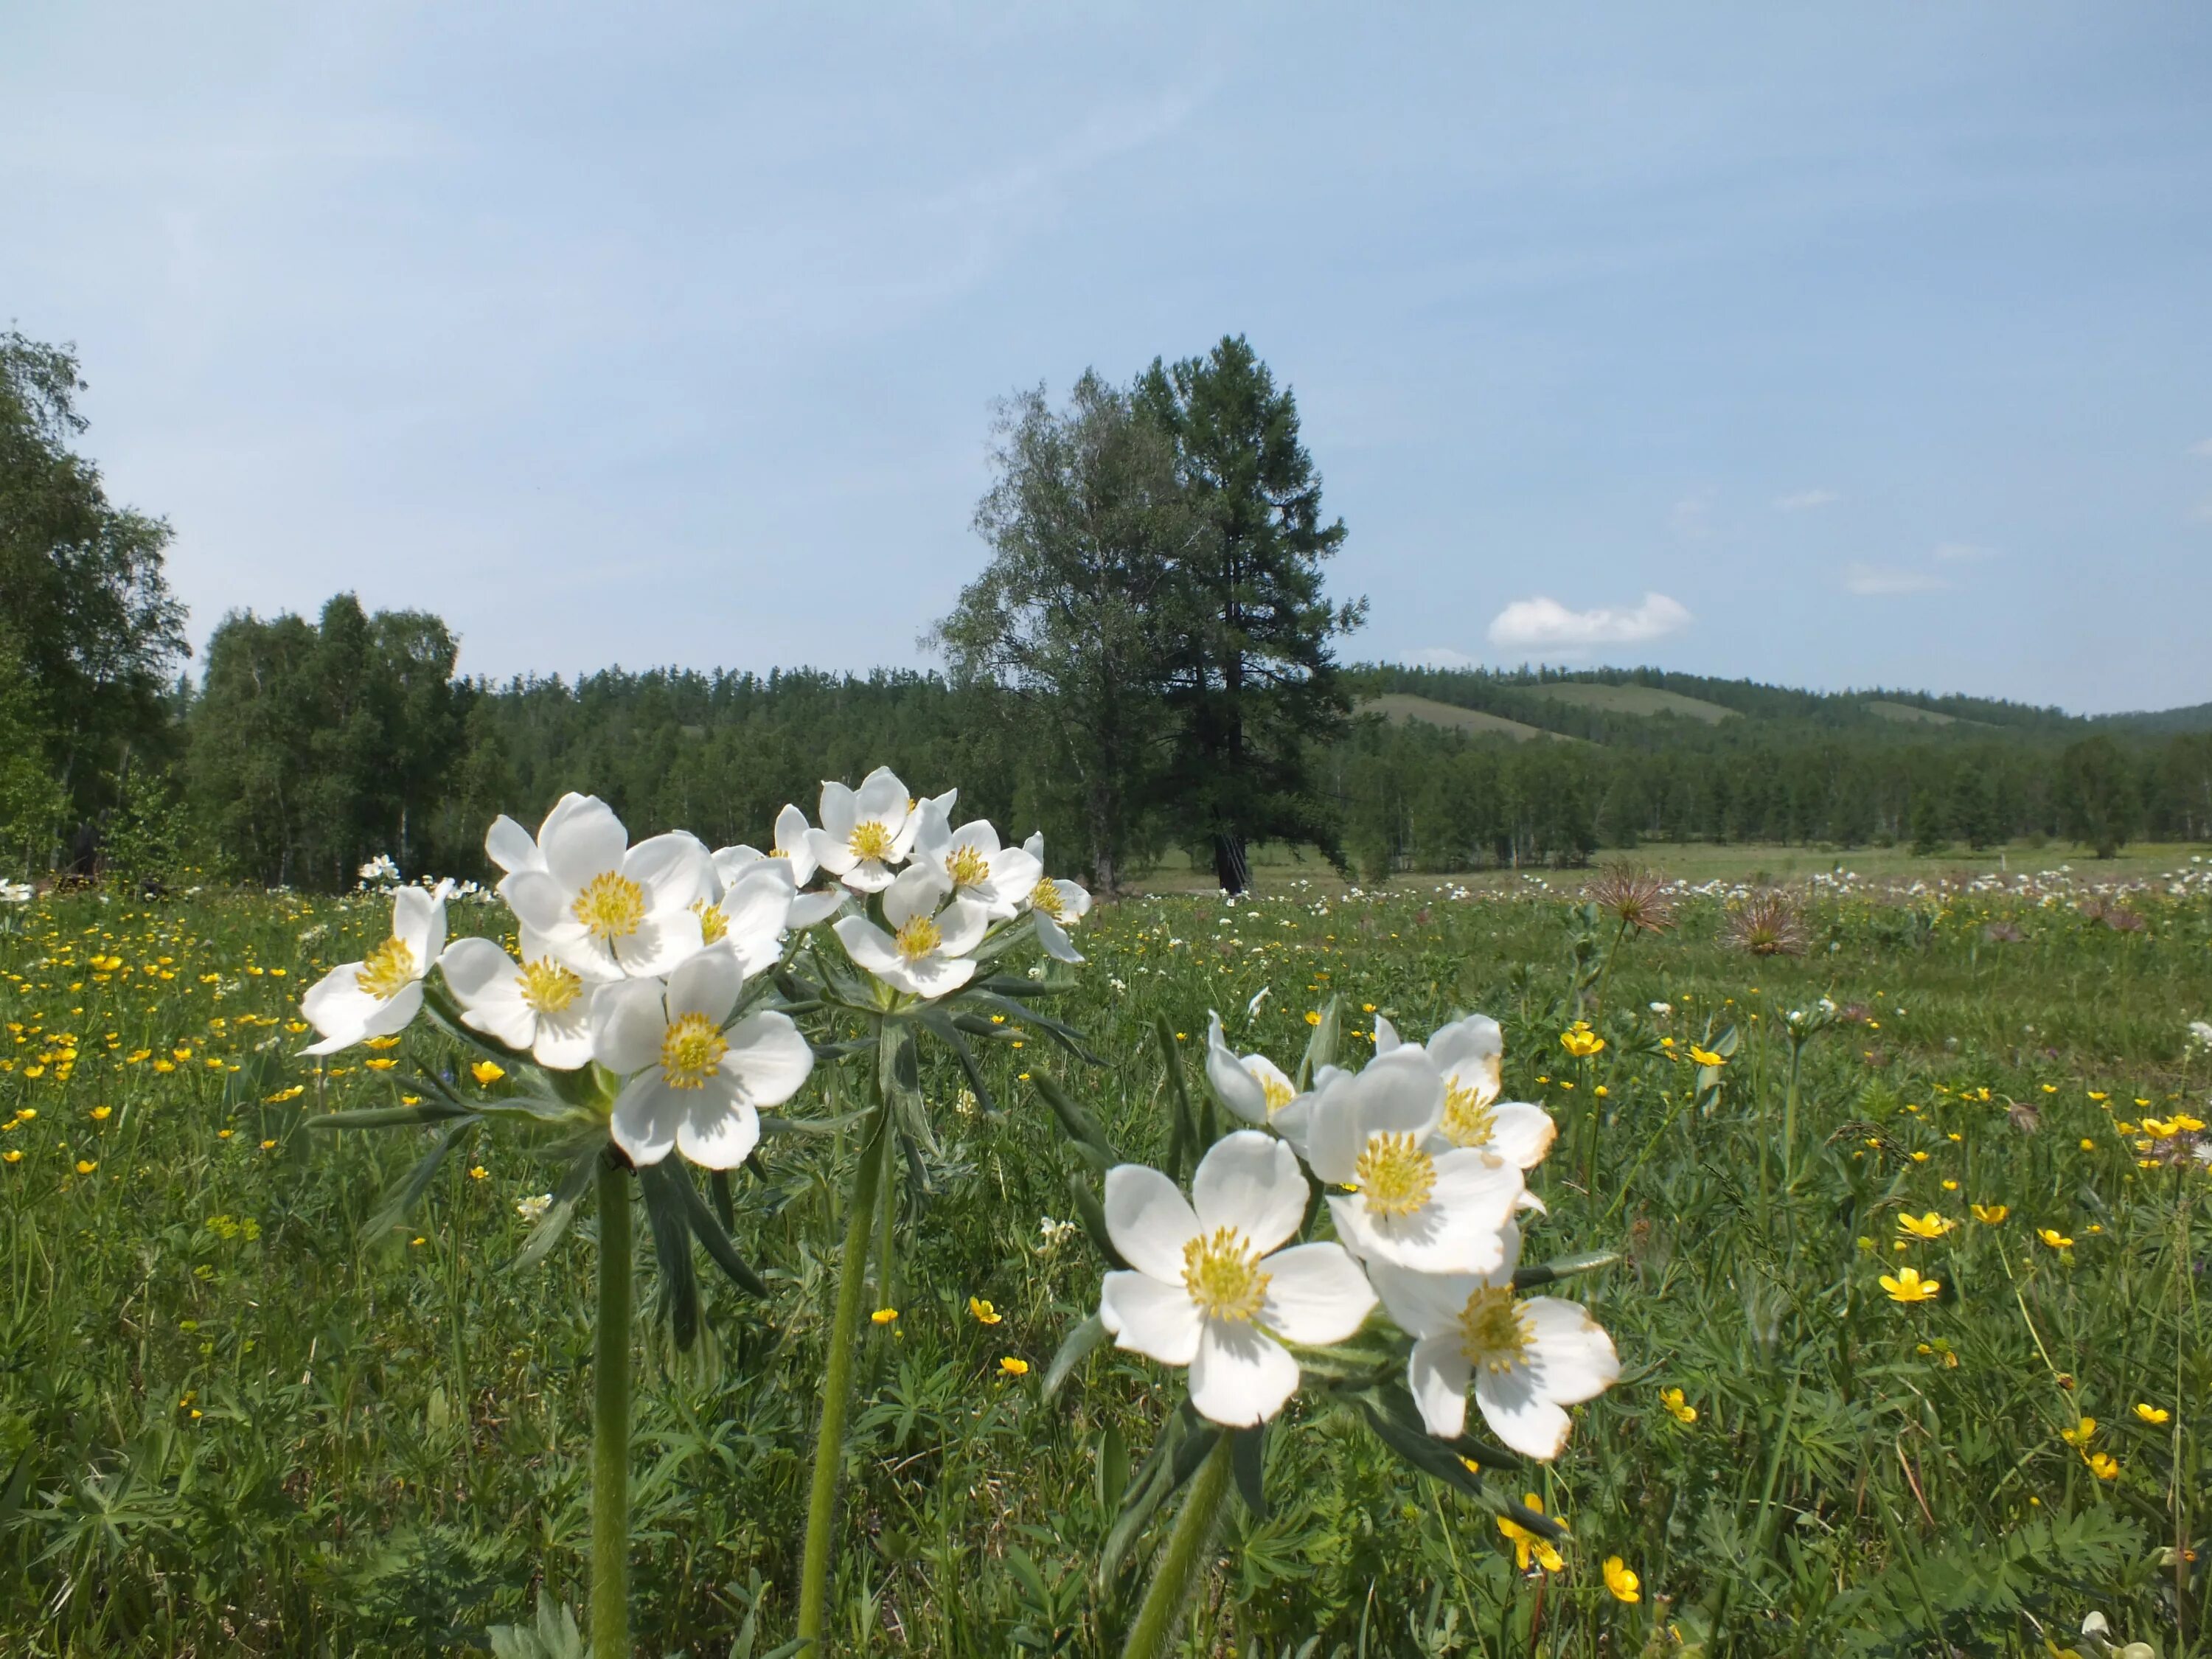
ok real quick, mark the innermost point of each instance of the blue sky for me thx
(1835, 346)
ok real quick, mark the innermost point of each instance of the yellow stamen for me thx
(1279, 1094)
(1221, 1270)
(1045, 896)
(1493, 1329)
(691, 1052)
(712, 924)
(389, 971)
(611, 907)
(919, 937)
(1468, 1121)
(968, 867)
(548, 987)
(1395, 1175)
(872, 840)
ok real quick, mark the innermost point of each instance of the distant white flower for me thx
(795, 848)
(1204, 1290)
(866, 832)
(377, 996)
(1000, 878)
(379, 873)
(1470, 1054)
(1254, 1087)
(1528, 1357)
(1252, 1008)
(606, 909)
(541, 1006)
(693, 1086)
(15, 892)
(2200, 1034)
(1434, 1212)
(926, 955)
(1057, 905)
(1052, 1233)
(1662, 1009)
(532, 1209)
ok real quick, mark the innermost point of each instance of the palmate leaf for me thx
(672, 1249)
(948, 1029)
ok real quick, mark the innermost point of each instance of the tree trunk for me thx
(1229, 865)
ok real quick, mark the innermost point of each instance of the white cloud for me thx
(1872, 580)
(1542, 623)
(1438, 656)
(1962, 552)
(2202, 446)
(1804, 500)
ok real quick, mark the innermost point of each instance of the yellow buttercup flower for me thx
(1706, 1056)
(884, 1316)
(985, 1313)
(13, 1155)
(487, 1072)
(1625, 1585)
(2156, 1416)
(85, 1166)
(1990, 1214)
(1528, 1545)
(2103, 1466)
(1313, 1015)
(2053, 1237)
(1010, 1366)
(1909, 1287)
(1682, 1411)
(1580, 1040)
(1931, 1225)
(2081, 1433)
(102, 1113)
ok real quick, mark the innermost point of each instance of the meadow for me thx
(231, 1423)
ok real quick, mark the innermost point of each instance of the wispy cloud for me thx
(1438, 656)
(2202, 447)
(1804, 500)
(1870, 581)
(1963, 552)
(1543, 623)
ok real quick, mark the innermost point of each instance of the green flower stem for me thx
(1176, 1576)
(837, 1379)
(610, 1422)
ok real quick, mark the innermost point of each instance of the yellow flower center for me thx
(1279, 1094)
(1493, 1330)
(388, 971)
(968, 867)
(1467, 1120)
(870, 839)
(1395, 1174)
(547, 987)
(712, 924)
(611, 906)
(919, 937)
(1045, 896)
(1221, 1270)
(691, 1052)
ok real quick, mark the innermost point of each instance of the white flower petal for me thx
(810, 907)
(472, 966)
(501, 1014)
(1437, 1375)
(588, 841)
(627, 1025)
(916, 891)
(1316, 1295)
(565, 1041)
(1424, 1304)
(707, 982)
(663, 940)
(1572, 1357)
(882, 800)
(840, 812)
(1149, 1221)
(768, 1058)
(1520, 1415)
(719, 1131)
(828, 853)
(1252, 1182)
(961, 926)
(1386, 1035)
(870, 947)
(536, 900)
(1522, 1133)
(1239, 1377)
(646, 1117)
(418, 922)
(1053, 937)
(339, 1009)
(933, 975)
(674, 869)
(1232, 1082)
(1148, 1317)
(511, 846)
(758, 902)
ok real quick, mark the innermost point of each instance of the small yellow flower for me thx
(2087, 1144)
(13, 1155)
(2099, 1094)
(1313, 1015)
(1625, 1585)
(1990, 1214)
(477, 1172)
(417, 1239)
(985, 1313)
(85, 1166)
(382, 1063)
(1706, 1056)
(884, 1315)
(487, 1072)
(1931, 1225)
(1920, 1157)
(1950, 1186)
(1366, 1007)
(102, 1113)
(2156, 1416)
(2103, 1466)
(223, 1134)
(266, 1144)
(1909, 1287)
(1580, 1042)
(1010, 1366)
(2053, 1237)
(1527, 1544)
(1682, 1411)
(2081, 1434)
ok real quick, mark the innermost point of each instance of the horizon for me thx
(1838, 354)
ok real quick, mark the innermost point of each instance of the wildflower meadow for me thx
(870, 1245)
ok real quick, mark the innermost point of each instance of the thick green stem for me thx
(1177, 1575)
(611, 1423)
(1789, 1116)
(837, 1379)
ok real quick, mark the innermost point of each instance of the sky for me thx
(1837, 346)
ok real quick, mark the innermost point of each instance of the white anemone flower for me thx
(608, 909)
(694, 1086)
(1000, 878)
(1434, 1212)
(796, 850)
(514, 848)
(1470, 1052)
(926, 956)
(378, 995)
(750, 913)
(865, 832)
(1528, 1357)
(539, 1006)
(1208, 1288)
(1056, 904)
(1254, 1087)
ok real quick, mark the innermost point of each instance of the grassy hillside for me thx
(1398, 709)
(1640, 700)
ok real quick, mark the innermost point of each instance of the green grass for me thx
(1632, 700)
(1398, 707)
(229, 1425)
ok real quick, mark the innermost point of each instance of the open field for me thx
(1398, 707)
(1632, 700)
(229, 1425)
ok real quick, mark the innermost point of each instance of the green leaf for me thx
(389, 1117)
(1093, 1215)
(707, 1227)
(401, 1199)
(1249, 1457)
(1529, 1276)
(1320, 1047)
(553, 1226)
(1075, 1347)
(672, 1249)
(1082, 1128)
